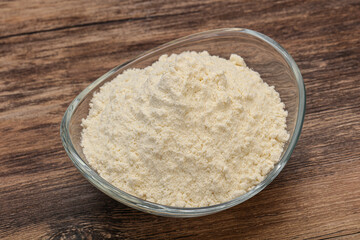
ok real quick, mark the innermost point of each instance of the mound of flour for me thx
(190, 130)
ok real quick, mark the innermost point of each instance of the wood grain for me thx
(51, 50)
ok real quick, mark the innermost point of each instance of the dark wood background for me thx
(51, 50)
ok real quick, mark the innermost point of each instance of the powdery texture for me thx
(191, 130)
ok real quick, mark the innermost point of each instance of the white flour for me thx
(191, 130)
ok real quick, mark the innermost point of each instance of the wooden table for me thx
(51, 50)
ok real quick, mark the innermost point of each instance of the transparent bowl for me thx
(260, 52)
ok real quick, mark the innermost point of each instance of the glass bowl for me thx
(260, 52)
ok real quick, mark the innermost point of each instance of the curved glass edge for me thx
(170, 211)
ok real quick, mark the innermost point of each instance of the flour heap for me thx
(191, 130)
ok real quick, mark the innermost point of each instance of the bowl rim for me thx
(163, 210)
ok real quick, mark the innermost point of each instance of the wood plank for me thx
(51, 50)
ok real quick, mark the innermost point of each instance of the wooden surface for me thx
(51, 50)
